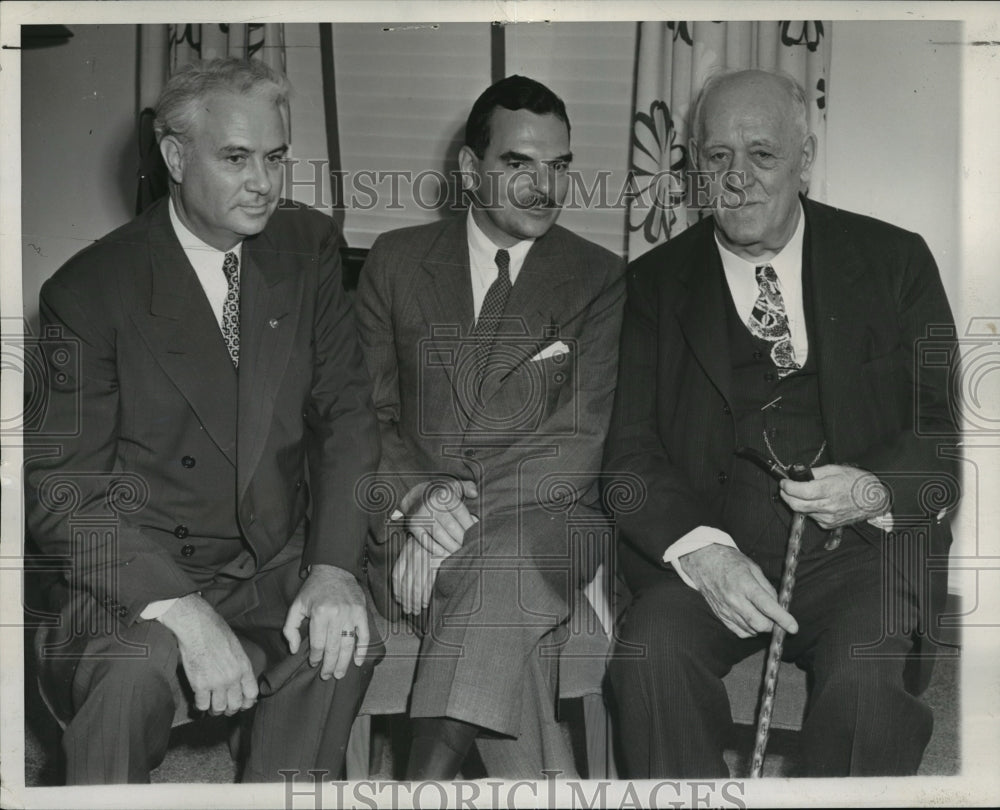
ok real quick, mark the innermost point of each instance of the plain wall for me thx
(79, 156)
(78, 148)
(893, 130)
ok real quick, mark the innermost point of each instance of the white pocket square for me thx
(552, 350)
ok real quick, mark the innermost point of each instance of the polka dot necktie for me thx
(769, 321)
(231, 308)
(494, 304)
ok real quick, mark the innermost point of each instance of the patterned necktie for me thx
(769, 321)
(494, 303)
(231, 308)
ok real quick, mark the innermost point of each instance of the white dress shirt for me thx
(482, 261)
(207, 263)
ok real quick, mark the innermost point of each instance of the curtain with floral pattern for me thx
(673, 59)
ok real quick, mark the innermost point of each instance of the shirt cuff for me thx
(883, 522)
(692, 541)
(156, 609)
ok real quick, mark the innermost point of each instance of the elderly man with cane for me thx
(781, 331)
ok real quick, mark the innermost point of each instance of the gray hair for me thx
(796, 95)
(178, 102)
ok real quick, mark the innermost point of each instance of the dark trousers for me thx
(115, 688)
(855, 622)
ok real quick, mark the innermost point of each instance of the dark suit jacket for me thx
(217, 463)
(534, 443)
(876, 292)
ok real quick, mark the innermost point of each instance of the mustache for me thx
(537, 201)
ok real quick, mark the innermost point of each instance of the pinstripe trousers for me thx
(115, 689)
(855, 617)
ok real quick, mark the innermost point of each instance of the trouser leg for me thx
(121, 687)
(542, 744)
(301, 722)
(674, 718)
(861, 721)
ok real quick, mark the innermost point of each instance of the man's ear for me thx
(468, 164)
(808, 157)
(173, 155)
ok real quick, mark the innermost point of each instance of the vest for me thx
(780, 418)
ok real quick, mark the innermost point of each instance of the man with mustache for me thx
(491, 339)
(224, 419)
(791, 328)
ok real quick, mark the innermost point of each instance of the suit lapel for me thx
(702, 311)
(183, 335)
(445, 297)
(838, 307)
(269, 310)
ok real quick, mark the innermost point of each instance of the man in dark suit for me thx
(491, 339)
(790, 328)
(206, 501)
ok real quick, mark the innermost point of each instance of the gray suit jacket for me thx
(532, 439)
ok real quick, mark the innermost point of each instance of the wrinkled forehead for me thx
(745, 106)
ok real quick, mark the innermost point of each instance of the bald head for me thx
(750, 135)
(766, 88)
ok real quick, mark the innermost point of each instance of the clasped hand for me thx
(434, 512)
(436, 518)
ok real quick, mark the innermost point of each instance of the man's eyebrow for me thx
(235, 149)
(512, 155)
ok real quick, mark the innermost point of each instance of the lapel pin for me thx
(273, 323)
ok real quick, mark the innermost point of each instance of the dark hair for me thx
(512, 93)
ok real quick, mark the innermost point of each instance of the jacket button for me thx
(757, 355)
(769, 376)
(188, 461)
(727, 410)
(298, 484)
(180, 532)
(187, 551)
(470, 453)
(122, 610)
(775, 496)
(723, 477)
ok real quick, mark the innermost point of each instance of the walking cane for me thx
(796, 472)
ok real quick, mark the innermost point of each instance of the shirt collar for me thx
(190, 242)
(481, 245)
(786, 263)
